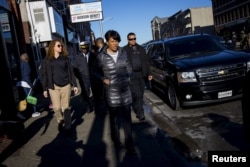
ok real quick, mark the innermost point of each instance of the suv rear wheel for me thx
(171, 97)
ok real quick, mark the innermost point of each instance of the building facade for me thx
(189, 21)
(28, 26)
(232, 19)
(11, 44)
(156, 27)
(45, 20)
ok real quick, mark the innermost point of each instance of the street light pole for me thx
(101, 28)
(102, 21)
(101, 24)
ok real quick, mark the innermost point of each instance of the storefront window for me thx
(13, 58)
(9, 68)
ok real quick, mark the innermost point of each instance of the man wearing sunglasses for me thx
(83, 63)
(138, 59)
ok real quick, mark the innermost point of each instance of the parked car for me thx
(196, 69)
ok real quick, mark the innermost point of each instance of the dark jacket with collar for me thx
(26, 72)
(118, 92)
(143, 57)
(46, 75)
(84, 68)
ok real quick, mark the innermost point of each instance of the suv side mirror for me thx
(159, 62)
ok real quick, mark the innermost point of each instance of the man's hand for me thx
(45, 93)
(75, 90)
(106, 81)
(150, 77)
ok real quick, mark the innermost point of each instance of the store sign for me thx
(86, 12)
(5, 27)
(4, 22)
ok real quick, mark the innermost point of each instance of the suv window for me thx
(191, 47)
(157, 52)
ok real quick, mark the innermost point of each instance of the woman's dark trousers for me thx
(121, 116)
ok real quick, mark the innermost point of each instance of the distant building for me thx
(190, 21)
(45, 20)
(231, 17)
(156, 27)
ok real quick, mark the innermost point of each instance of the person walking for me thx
(234, 39)
(57, 79)
(99, 43)
(140, 71)
(113, 69)
(26, 71)
(97, 84)
(243, 40)
(26, 82)
(83, 63)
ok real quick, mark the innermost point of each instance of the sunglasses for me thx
(59, 46)
(130, 39)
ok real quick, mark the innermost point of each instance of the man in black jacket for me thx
(99, 42)
(138, 59)
(97, 84)
(83, 63)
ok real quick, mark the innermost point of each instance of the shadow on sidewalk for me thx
(232, 132)
(95, 149)
(66, 150)
(154, 147)
(29, 132)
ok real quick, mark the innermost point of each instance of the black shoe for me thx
(131, 151)
(90, 109)
(141, 118)
(68, 132)
(90, 105)
(118, 144)
(61, 126)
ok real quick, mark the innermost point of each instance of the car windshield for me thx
(192, 47)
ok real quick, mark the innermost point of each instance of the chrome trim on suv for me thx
(223, 73)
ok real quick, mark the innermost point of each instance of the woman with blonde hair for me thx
(57, 78)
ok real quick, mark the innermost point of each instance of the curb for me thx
(167, 125)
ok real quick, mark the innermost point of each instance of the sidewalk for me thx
(91, 145)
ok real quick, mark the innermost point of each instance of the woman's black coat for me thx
(46, 74)
(118, 92)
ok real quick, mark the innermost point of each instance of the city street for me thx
(91, 146)
(180, 44)
(176, 138)
(216, 127)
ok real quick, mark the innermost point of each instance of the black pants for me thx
(97, 90)
(121, 116)
(85, 86)
(137, 87)
(87, 93)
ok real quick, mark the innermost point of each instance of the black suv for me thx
(197, 69)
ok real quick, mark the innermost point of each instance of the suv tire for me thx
(172, 97)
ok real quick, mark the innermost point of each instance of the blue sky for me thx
(136, 15)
